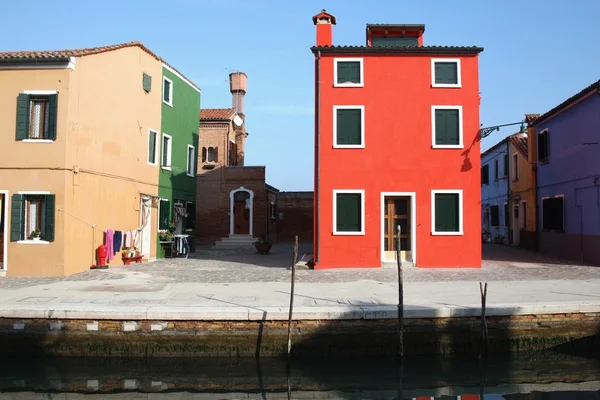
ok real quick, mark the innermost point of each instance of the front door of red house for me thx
(241, 213)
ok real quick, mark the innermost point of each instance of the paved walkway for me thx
(245, 285)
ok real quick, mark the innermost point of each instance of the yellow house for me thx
(76, 155)
(522, 192)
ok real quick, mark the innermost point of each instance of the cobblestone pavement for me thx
(500, 263)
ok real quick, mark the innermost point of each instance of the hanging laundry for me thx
(109, 243)
(118, 240)
(128, 239)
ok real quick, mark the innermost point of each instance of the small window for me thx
(447, 213)
(166, 151)
(496, 168)
(505, 172)
(36, 116)
(515, 167)
(191, 160)
(348, 72)
(485, 174)
(495, 216)
(543, 148)
(164, 214)
(32, 217)
(445, 72)
(152, 146)
(506, 215)
(348, 212)
(447, 127)
(210, 154)
(146, 82)
(167, 91)
(348, 127)
(553, 213)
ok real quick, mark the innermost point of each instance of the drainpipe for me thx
(317, 160)
(509, 236)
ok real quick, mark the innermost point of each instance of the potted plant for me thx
(35, 235)
(172, 227)
(165, 236)
(263, 246)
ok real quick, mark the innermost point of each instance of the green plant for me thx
(172, 227)
(35, 234)
(165, 236)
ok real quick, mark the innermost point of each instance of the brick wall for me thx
(297, 209)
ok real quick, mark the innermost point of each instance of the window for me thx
(505, 172)
(515, 167)
(36, 116)
(146, 82)
(394, 41)
(348, 72)
(167, 91)
(553, 213)
(447, 127)
(191, 160)
(447, 212)
(349, 126)
(496, 168)
(273, 211)
(445, 72)
(485, 174)
(32, 217)
(543, 148)
(152, 146)
(348, 212)
(506, 215)
(166, 151)
(164, 214)
(495, 216)
(210, 154)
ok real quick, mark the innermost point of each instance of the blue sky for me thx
(537, 54)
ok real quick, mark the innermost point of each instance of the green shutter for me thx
(348, 212)
(447, 127)
(48, 229)
(446, 73)
(152, 147)
(348, 72)
(164, 214)
(395, 41)
(440, 127)
(349, 127)
(52, 116)
(22, 116)
(146, 82)
(16, 218)
(446, 212)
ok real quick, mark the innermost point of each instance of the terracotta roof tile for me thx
(519, 140)
(57, 55)
(213, 114)
(531, 117)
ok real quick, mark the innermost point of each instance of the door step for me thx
(394, 265)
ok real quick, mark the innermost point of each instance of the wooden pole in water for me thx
(400, 296)
(289, 343)
(483, 347)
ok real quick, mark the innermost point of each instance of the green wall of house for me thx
(181, 122)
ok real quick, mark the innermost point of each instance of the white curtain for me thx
(36, 111)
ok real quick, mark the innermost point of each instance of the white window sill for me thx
(191, 175)
(348, 146)
(166, 168)
(349, 233)
(446, 85)
(33, 242)
(447, 146)
(37, 141)
(447, 233)
(169, 104)
(349, 85)
(153, 164)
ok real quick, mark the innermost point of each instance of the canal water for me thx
(547, 376)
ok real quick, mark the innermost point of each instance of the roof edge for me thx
(474, 50)
(567, 103)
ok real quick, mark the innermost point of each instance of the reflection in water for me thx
(547, 376)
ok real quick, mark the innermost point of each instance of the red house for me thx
(396, 144)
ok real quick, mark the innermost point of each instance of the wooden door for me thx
(396, 213)
(241, 214)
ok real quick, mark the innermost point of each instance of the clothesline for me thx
(96, 226)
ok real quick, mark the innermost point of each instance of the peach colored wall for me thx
(524, 187)
(33, 166)
(108, 122)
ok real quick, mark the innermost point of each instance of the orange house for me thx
(396, 146)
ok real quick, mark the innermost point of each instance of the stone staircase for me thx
(235, 242)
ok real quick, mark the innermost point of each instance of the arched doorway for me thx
(240, 211)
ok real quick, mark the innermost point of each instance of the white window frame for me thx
(542, 210)
(156, 147)
(31, 193)
(460, 144)
(168, 166)
(362, 211)
(335, 72)
(537, 149)
(515, 161)
(187, 170)
(362, 128)
(458, 73)
(170, 102)
(460, 212)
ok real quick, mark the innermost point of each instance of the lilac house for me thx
(567, 155)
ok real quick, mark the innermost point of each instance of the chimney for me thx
(238, 82)
(324, 22)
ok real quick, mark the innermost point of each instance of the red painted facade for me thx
(398, 158)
